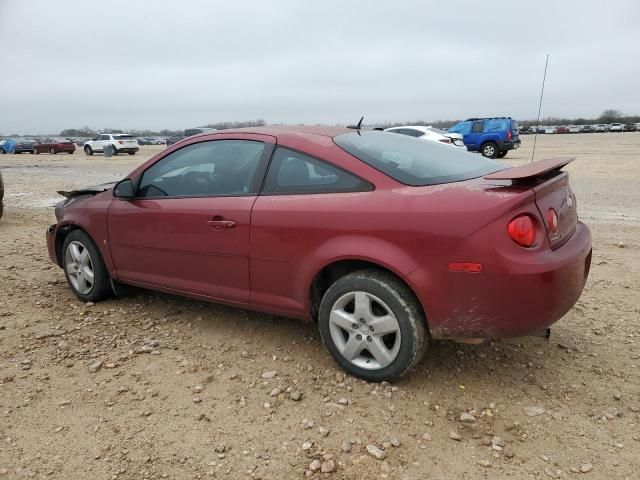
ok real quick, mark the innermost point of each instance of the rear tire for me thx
(84, 268)
(115, 150)
(52, 151)
(131, 153)
(35, 151)
(88, 151)
(383, 336)
(489, 150)
(502, 154)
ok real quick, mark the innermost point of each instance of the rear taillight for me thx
(445, 140)
(120, 142)
(552, 220)
(508, 134)
(522, 230)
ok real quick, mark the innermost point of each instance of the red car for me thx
(383, 239)
(53, 146)
(562, 129)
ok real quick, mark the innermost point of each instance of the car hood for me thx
(92, 190)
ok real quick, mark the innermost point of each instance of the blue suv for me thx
(493, 137)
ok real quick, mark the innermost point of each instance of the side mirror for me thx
(124, 189)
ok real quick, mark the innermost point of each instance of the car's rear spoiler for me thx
(531, 170)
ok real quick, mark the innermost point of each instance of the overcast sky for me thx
(177, 64)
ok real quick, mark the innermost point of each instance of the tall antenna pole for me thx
(544, 78)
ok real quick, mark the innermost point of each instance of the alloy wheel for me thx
(79, 267)
(365, 330)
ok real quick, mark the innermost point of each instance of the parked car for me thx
(599, 128)
(356, 230)
(562, 129)
(637, 127)
(24, 145)
(550, 130)
(585, 129)
(430, 133)
(189, 132)
(7, 145)
(615, 127)
(159, 141)
(53, 146)
(121, 142)
(493, 137)
(1, 195)
(573, 129)
(629, 127)
(143, 141)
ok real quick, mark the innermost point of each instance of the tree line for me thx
(607, 116)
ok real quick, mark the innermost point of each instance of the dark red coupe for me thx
(383, 239)
(54, 145)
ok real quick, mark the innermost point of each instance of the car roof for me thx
(422, 128)
(285, 130)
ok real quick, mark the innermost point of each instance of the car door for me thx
(103, 140)
(473, 138)
(187, 228)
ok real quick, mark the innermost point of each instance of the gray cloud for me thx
(136, 64)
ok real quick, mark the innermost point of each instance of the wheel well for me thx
(332, 272)
(60, 236)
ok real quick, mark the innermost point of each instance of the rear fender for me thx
(353, 247)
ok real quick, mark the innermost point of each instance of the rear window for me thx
(124, 136)
(415, 162)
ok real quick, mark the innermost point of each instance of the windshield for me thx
(415, 162)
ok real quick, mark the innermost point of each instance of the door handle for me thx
(221, 224)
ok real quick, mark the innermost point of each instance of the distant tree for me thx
(610, 116)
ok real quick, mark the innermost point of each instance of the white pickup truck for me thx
(122, 142)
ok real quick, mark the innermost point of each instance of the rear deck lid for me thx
(554, 198)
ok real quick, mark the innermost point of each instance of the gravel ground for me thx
(156, 386)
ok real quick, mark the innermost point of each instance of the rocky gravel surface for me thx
(153, 386)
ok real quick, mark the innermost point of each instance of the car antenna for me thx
(358, 126)
(544, 78)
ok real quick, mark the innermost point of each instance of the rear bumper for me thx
(127, 149)
(509, 145)
(513, 296)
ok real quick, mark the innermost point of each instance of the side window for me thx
(215, 168)
(478, 127)
(415, 133)
(293, 172)
(104, 137)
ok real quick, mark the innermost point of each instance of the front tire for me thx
(489, 150)
(35, 151)
(52, 151)
(88, 151)
(372, 325)
(84, 268)
(131, 153)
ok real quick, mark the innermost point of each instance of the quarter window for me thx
(215, 168)
(293, 172)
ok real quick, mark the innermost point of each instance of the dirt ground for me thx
(181, 393)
